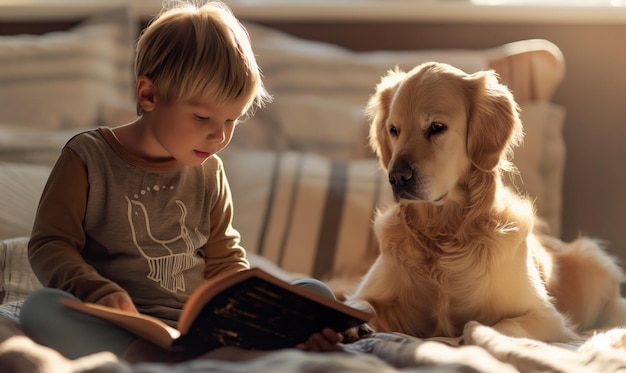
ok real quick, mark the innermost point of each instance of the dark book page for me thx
(257, 314)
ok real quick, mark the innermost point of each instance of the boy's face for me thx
(191, 131)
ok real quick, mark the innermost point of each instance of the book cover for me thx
(250, 309)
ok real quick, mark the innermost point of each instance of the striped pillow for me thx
(17, 279)
(307, 213)
(63, 80)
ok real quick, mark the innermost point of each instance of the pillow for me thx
(321, 89)
(541, 160)
(295, 65)
(18, 279)
(307, 123)
(306, 213)
(20, 189)
(62, 80)
(28, 145)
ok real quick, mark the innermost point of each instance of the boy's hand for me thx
(119, 300)
(325, 341)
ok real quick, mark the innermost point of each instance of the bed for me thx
(304, 182)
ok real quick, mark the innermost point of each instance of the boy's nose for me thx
(218, 134)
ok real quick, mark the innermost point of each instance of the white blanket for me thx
(482, 350)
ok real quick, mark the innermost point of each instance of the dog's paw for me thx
(356, 333)
(609, 339)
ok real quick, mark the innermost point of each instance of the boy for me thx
(136, 217)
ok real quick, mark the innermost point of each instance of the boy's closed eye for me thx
(200, 117)
(203, 118)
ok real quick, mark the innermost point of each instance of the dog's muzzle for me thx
(403, 181)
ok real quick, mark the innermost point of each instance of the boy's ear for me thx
(144, 91)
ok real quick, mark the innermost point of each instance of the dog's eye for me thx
(393, 130)
(435, 128)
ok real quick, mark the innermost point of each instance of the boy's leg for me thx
(315, 286)
(47, 321)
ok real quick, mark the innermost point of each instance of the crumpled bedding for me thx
(480, 349)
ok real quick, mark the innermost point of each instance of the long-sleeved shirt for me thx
(109, 220)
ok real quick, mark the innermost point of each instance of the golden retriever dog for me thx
(458, 244)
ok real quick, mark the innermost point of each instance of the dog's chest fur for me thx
(443, 279)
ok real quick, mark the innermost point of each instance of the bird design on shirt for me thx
(167, 270)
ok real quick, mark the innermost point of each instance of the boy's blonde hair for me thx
(193, 50)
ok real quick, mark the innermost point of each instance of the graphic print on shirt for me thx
(167, 270)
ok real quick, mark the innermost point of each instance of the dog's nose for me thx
(400, 175)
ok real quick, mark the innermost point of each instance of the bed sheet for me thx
(483, 350)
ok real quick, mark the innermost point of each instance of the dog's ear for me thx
(494, 127)
(377, 111)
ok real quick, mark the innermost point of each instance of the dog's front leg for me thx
(546, 325)
(376, 287)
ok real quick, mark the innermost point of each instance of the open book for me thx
(250, 309)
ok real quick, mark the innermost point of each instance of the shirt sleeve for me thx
(223, 252)
(58, 238)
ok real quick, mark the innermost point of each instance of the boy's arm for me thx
(223, 253)
(57, 238)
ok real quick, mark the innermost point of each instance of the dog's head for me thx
(432, 125)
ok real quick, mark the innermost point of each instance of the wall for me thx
(593, 92)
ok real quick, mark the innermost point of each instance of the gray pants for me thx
(74, 334)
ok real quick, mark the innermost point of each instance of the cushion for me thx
(20, 189)
(320, 91)
(22, 144)
(307, 213)
(307, 123)
(541, 160)
(295, 65)
(62, 80)
(18, 279)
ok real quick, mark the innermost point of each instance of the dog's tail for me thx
(585, 282)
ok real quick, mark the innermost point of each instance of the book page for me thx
(147, 327)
